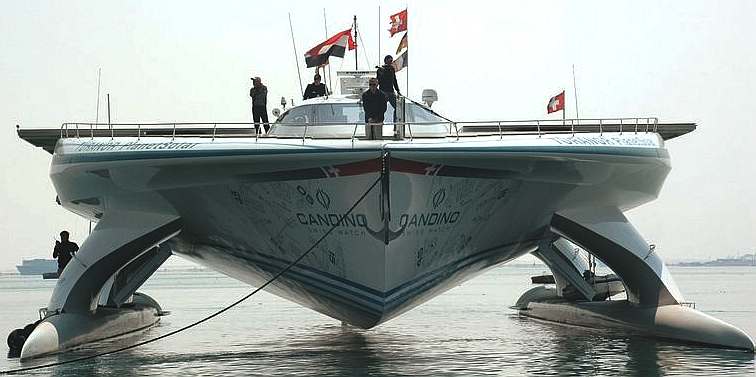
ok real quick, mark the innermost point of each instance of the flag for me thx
(402, 44)
(556, 103)
(334, 46)
(400, 62)
(398, 22)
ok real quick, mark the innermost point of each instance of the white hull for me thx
(442, 213)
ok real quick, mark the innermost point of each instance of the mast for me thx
(296, 57)
(97, 112)
(379, 34)
(574, 87)
(355, 42)
(325, 26)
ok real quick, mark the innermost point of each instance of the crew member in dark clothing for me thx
(387, 81)
(259, 94)
(64, 251)
(374, 103)
(316, 89)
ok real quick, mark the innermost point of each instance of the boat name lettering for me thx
(360, 220)
(428, 219)
(581, 140)
(332, 219)
(111, 147)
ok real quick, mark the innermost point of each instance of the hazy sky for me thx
(191, 61)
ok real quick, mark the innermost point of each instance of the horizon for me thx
(165, 62)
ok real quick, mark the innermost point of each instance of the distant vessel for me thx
(37, 266)
(745, 260)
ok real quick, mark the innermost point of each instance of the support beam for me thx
(128, 279)
(565, 265)
(118, 239)
(607, 234)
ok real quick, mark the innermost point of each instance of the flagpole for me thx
(97, 111)
(574, 87)
(406, 92)
(330, 76)
(355, 42)
(296, 57)
(564, 111)
(379, 34)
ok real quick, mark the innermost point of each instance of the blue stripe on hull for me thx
(369, 300)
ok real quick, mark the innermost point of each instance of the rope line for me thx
(219, 312)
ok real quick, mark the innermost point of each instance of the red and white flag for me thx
(334, 46)
(556, 103)
(398, 22)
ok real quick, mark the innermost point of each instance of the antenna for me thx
(379, 34)
(296, 56)
(109, 124)
(97, 112)
(574, 87)
(325, 25)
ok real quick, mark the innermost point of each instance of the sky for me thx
(191, 61)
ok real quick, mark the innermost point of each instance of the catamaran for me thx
(384, 225)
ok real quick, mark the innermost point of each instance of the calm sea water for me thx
(469, 330)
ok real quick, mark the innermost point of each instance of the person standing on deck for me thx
(387, 81)
(64, 251)
(374, 103)
(316, 89)
(259, 94)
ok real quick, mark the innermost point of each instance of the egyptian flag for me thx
(334, 46)
(556, 103)
(398, 22)
(402, 44)
(400, 62)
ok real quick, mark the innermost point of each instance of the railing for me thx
(304, 131)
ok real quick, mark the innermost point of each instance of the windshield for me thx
(341, 119)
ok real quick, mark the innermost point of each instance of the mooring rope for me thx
(219, 312)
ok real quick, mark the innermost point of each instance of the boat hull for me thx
(434, 214)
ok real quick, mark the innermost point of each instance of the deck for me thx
(46, 138)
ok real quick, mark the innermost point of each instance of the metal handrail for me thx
(453, 129)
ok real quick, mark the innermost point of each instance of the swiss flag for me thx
(398, 22)
(556, 103)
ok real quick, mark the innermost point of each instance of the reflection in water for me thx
(581, 351)
(467, 331)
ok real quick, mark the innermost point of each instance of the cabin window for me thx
(339, 113)
(297, 115)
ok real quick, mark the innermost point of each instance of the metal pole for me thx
(355, 42)
(574, 87)
(330, 76)
(379, 34)
(406, 34)
(109, 124)
(296, 56)
(406, 51)
(97, 112)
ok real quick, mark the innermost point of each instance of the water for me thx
(470, 330)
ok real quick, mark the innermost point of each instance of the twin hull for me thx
(434, 214)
